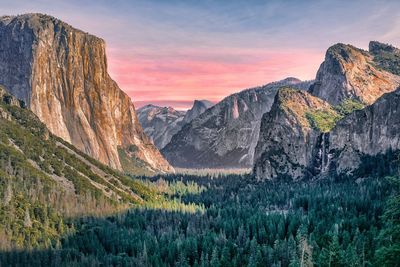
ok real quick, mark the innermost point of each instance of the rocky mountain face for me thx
(225, 135)
(303, 136)
(160, 123)
(289, 134)
(199, 106)
(61, 74)
(352, 73)
(370, 131)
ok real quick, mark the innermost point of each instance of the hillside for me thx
(43, 179)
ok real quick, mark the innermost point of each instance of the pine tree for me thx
(389, 252)
(334, 252)
(304, 249)
(215, 258)
(225, 257)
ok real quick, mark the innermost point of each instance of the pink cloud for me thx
(176, 78)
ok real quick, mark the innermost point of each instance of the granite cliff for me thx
(61, 74)
(199, 106)
(352, 73)
(34, 160)
(289, 134)
(368, 132)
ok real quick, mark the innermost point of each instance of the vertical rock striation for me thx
(61, 74)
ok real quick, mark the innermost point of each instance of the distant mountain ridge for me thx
(199, 106)
(225, 135)
(161, 123)
(61, 74)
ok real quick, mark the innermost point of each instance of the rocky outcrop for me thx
(225, 135)
(61, 74)
(7, 99)
(160, 123)
(199, 106)
(349, 72)
(290, 134)
(371, 131)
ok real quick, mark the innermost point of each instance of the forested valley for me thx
(231, 220)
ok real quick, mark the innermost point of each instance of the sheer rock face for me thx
(161, 123)
(349, 72)
(370, 131)
(287, 146)
(225, 135)
(61, 73)
(199, 106)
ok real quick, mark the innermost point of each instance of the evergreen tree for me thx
(215, 258)
(389, 252)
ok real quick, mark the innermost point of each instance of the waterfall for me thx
(325, 157)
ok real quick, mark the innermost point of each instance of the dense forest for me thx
(232, 220)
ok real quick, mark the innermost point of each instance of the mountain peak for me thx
(202, 102)
(291, 80)
(39, 21)
(199, 106)
(350, 72)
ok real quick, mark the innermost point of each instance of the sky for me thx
(170, 52)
